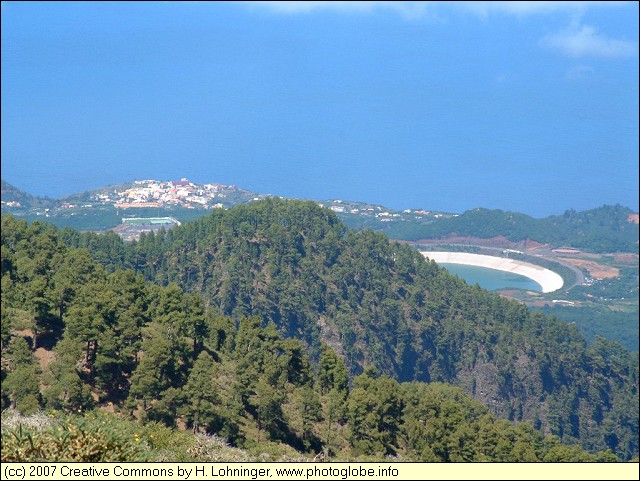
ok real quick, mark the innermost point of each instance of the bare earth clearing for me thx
(597, 271)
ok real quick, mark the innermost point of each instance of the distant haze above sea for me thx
(521, 106)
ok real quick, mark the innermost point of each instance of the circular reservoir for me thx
(544, 280)
(491, 279)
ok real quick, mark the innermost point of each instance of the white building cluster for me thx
(155, 193)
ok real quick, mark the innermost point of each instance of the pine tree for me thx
(6, 321)
(23, 389)
(332, 373)
(21, 384)
(200, 394)
(157, 369)
(89, 317)
(310, 412)
(268, 407)
(66, 389)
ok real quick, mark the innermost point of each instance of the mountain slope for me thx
(76, 336)
(381, 304)
(11, 194)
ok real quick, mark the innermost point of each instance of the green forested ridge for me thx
(603, 229)
(274, 268)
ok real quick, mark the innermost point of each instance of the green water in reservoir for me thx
(492, 279)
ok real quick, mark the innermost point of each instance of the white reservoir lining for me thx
(548, 280)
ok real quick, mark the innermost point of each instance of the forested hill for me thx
(381, 304)
(76, 337)
(605, 229)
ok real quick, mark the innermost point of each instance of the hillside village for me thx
(184, 193)
(159, 194)
(156, 193)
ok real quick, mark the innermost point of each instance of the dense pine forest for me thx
(274, 323)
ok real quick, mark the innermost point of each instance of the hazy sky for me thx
(526, 106)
